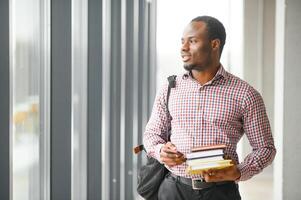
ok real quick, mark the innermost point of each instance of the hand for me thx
(216, 175)
(170, 156)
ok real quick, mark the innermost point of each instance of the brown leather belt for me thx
(197, 184)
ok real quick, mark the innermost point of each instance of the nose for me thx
(185, 46)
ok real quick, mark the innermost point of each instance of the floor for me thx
(259, 187)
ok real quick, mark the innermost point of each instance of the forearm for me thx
(155, 135)
(153, 144)
(255, 162)
(257, 128)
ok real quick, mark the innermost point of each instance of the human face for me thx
(196, 48)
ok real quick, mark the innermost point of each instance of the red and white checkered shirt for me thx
(219, 112)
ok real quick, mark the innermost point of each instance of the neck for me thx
(205, 76)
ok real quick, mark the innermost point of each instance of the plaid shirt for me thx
(218, 112)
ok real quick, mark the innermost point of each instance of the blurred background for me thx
(78, 79)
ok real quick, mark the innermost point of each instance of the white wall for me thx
(287, 172)
(172, 18)
(259, 51)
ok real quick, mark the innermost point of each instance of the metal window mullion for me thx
(106, 101)
(79, 99)
(123, 93)
(115, 106)
(45, 77)
(5, 164)
(146, 90)
(61, 99)
(129, 93)
(95, 85)
(152, 60)
(142, 79)
(135, 102)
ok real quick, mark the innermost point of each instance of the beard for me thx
(191, 67)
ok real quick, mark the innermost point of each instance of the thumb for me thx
(171, 146)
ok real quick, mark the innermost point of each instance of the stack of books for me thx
(206, 157)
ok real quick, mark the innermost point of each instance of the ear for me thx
(215, 44)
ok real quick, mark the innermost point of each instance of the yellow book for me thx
(197, 171)
(210, 164)
(204, 162)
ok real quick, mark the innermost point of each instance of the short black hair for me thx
(215, 28)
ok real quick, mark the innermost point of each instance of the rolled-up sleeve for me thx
(155, 135)
(258, 131)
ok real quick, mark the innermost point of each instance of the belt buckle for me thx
(197, 183)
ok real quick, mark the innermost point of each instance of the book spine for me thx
(204, 157)
(205, 148)
(205, 153)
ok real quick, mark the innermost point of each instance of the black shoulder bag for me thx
(153, 172)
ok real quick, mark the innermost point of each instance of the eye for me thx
(192, 41)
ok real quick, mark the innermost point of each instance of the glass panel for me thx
(79, 99)
(28, 60)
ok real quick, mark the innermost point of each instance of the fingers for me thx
(172, 161)
(169, 151)
(170, 146)
(214, 175)
(233, 162)
(225, 174)
(170, 156)
(213, 178)
(227, 157)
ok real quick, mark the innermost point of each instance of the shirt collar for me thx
(221, 72)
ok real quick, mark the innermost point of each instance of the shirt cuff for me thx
(243, 169)
(157, 152)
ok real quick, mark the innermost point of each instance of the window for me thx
(29, 62)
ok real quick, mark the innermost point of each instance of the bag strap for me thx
(171, 84)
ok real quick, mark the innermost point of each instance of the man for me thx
(208, 106)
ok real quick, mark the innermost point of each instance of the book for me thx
(206, 157)
(199, 171)
(208, 147)
(213, 164)
(205, 154)
(202, 160)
